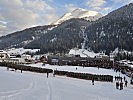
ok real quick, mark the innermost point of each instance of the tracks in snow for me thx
(9, 95)
(49, 90)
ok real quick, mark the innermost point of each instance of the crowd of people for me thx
(119, 82)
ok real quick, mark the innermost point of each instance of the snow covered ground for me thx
(80, 69)
(82, 52)
(35, 86)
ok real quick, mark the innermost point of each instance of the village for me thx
(94, 68)
(20, 57)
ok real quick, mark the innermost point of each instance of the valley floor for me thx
(35, 86)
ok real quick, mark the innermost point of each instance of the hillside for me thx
(62, 38)
(109, 32)
(112, 31)
(22, 38)
(105, 34)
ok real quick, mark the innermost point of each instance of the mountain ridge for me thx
(105, 34)
(78, 13)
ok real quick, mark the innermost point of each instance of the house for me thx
(4, 56)
(26, 57)
(17, 60)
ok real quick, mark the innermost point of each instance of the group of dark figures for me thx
(118, 79)
(15, 69)
(119, 83)
(48, 74)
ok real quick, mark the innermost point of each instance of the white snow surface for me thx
(79, 13)
(35, 86)
(82, 53)
(21, 50)
(80, 69)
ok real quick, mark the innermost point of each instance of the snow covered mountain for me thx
(79, 13)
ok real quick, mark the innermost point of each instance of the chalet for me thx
(17, 60)
(4, 56)
(26, 57)
(102, 55)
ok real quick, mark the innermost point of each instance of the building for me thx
(4, 56)
(79, 61)
(26, 57)
(16, 60)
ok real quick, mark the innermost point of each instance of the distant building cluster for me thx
(14, 57)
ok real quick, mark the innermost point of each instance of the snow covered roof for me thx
(21, 50)
(2, 51)
(83, 53)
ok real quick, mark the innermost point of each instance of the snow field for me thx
(35, 86)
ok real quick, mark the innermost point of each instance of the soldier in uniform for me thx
(47, 74)
(125, 83)
(121, 85)
(92, 81)
(117, 85)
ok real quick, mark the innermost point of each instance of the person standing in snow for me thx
(15, 69)
(121, 85)
(117, 85)
(76, 68)
(47, 74)
(125, 83)
(21, 70)
(124, 78)
(53, 73)
(92, 81)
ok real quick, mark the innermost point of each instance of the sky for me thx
(17, 15)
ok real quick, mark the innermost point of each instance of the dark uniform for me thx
(92, 81)
(121, 85)
(126, 83)
(47, 74)
(117, 85)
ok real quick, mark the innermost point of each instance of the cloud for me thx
(21, 14)
(122, 1)
(70, 7)
(95, 4)
(105, 6)
(115, 4)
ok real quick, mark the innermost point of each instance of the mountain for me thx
(62, 38)
(112, 31)
(79, 13)
(24, 37)
(105, 34)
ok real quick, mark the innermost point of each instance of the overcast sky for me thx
(20, 14)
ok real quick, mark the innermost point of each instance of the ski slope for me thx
(35, 86)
